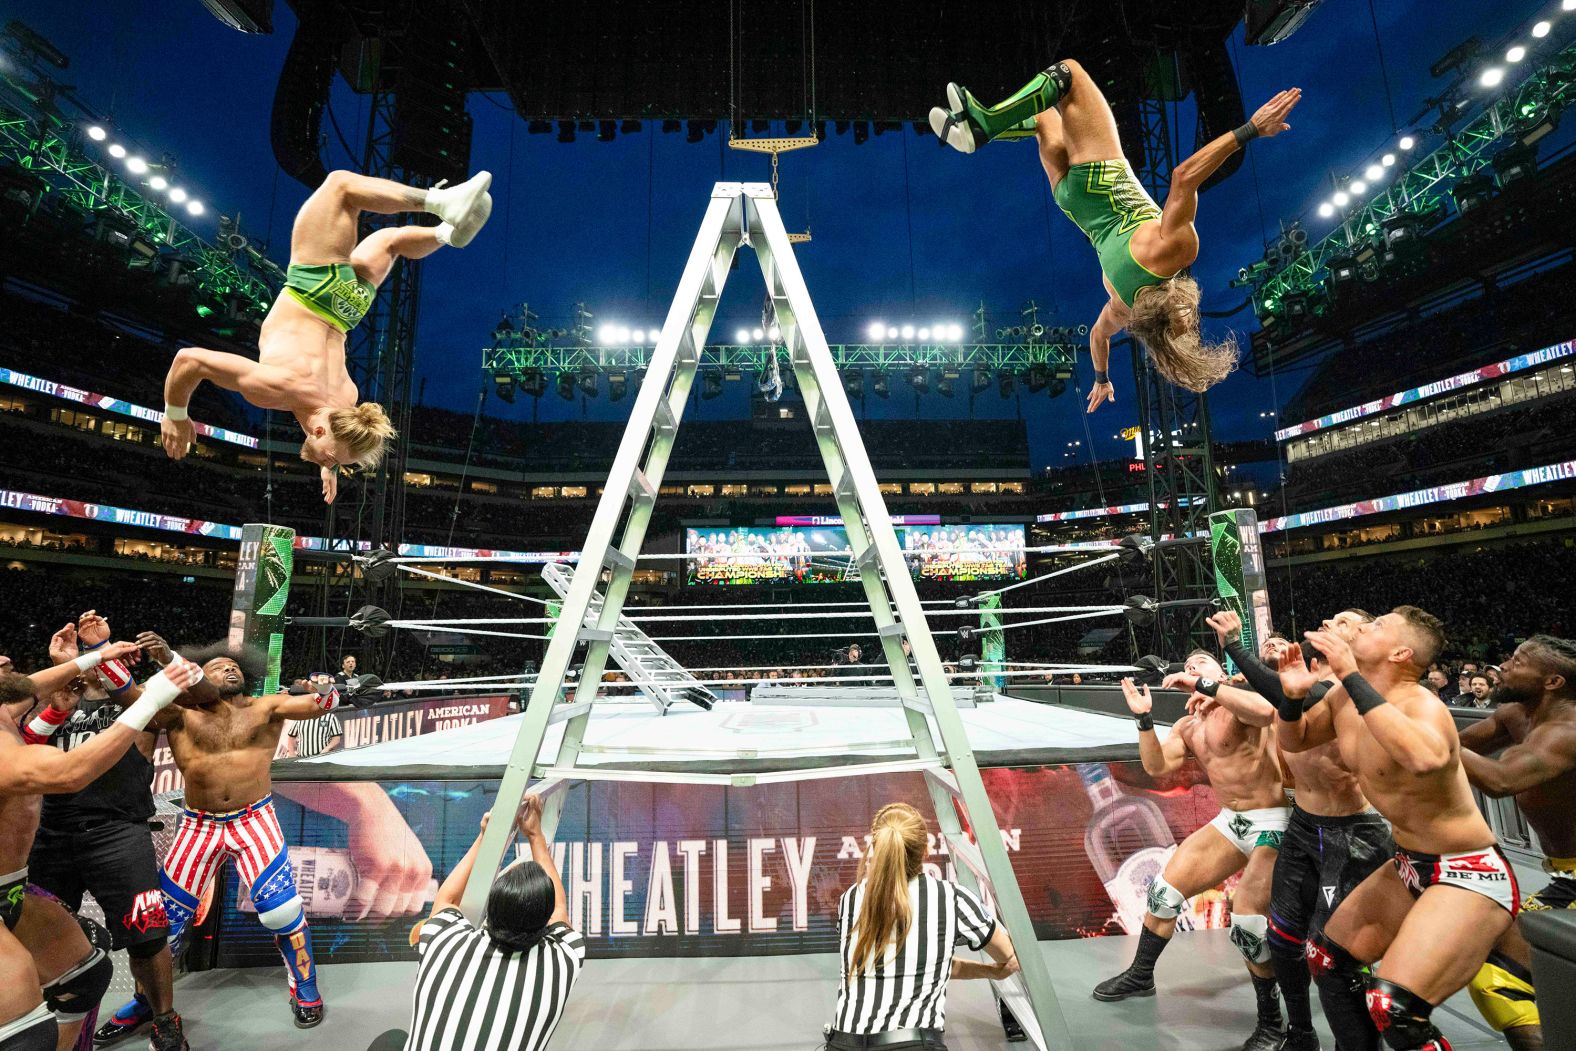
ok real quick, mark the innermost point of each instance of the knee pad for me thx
(274, 893)
(1249, 934)
(1165, 901)
(79, 990)
(1330, 964)
(1502, 991)
(147, 950)
(179, 908)
(1402, 1018)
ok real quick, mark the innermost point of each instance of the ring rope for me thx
(1048, 576)
(663, 619)
(574, 556)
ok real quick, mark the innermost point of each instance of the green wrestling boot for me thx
(965, 125)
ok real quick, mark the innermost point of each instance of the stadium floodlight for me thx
(604, 335)
(758, 334)
(1541, 30)
(1326, 210)
(116, 150)
(158, 182)
(774, 333)
(638, 337)
(1373, 173)
(1357, 186)
(955, 332)
(1516, 54)
(136, 165)
(1568, 5)
(194, 207)
(908, 332)
(1407, 142)
(1388, 160)
(97, 134)
(742, 336)
(924, 334)
(177, 194)
(622, 335)
(877, 331)
(891, 332)
(1491, 77)
(1341, 199)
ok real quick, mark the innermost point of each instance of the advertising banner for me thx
(118, 405)
(819, 555)
(683, 870)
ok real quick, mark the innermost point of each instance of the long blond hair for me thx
(1165, 319)
(365, 429)
(897, 853)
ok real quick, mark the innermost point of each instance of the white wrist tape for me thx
(175, 412)
(157, 693)
(88, 661)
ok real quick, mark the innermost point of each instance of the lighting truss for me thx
(46, 144)
(1425, 185)
(515, 355)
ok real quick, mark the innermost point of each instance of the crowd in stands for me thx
(1525, 316)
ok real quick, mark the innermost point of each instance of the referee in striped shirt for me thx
(897, 929)
(316, 736)
(504, 985)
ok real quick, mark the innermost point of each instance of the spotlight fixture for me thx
(533, 382)
(891, 332)
(158, 182)
(774, 333)
(1515, 163)
(1358, 187)
(981, 382)
(1541, 29)
(566, 386)
(742, 336)
(1473, 192)
(96, 133)
(908, 332)
(1388, 160)
(1407, 142)
(710, 384)
(1341, 198)
(881, 385)
(1373, 173)
(757, 334)
(919, 379)
(136, 165)
(177, 194)
(944, 386)
(617, 385)
(503, 385)
(1326, 210)
(1516, 54)
(194, 207)
(116, 150)
(1492, 77)
(1036, 378)
(854, 383)
(1005, 383)
(924, 335)
(876, 331)
(588, 383)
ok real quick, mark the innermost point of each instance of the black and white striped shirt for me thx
(470, 994)
(312, 735)
(906, 987)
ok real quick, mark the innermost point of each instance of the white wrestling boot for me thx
(464, 207)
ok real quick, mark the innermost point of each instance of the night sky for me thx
(611, 223)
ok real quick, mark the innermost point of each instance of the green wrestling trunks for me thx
(1108, 203)
(332, 291)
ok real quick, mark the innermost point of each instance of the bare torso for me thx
(312, 351)
(1551, 806)
(1326, 786)
(1237, 759)
(1434, 812)
(18, 814)
(1164, 255)
(223, 751)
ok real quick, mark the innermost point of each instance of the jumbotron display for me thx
(819, 555)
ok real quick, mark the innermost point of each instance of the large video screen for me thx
(819, 554)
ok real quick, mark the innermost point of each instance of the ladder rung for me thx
(868, 557)
(640, 487)
(969, 854)
(595, 635)
(823, 417)
(844, 489)
(616, 559)
(568, 711)
(663, 420)
(917, 704)
(892, 631)
(947, 780)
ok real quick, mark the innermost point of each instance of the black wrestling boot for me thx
(1300, 1040)
(168, 1034)
(306, 1015)
(1270, 1031)
(1139, 978)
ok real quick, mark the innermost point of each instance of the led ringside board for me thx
(1240, 580)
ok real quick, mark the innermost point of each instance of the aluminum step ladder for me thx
(663, 680)
(745, 215)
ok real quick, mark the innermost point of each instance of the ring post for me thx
(262, 584)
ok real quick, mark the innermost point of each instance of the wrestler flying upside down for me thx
(1143, 248)
(329, 288)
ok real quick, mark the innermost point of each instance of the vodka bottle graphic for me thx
(1129, 843)
(326, 878)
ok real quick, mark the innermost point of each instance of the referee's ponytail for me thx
(518, 906)
(897, 853)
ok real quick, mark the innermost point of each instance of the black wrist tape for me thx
(1362, 693)
(1145, 721)
(1102, 376)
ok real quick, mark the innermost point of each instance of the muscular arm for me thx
(1316, 727)
(301, 706)
(43, 769)
(1112, 317)
(1249, 708)
(1488, 734)
(1181, 207)
(542, 854)
(1410, 733)
(1164, 757)
(262, 385)
(1548, 752)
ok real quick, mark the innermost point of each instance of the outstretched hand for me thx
(330, 483)
(1271, 117)
(1137, 697)
(63, 645)
(1099, 394)
(1227, 625)
(1337, 653)
(1296, 679)
(176, 436)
